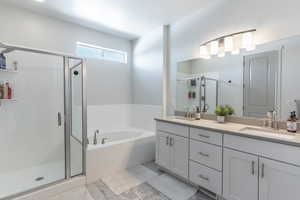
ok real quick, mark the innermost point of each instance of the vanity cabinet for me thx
(235, 167)
(240, 176)
(192, 153)
(278, 181)
(251, 176)
(173, 148)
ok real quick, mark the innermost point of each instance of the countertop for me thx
(234, 129)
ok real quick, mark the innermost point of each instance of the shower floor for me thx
(25, 179)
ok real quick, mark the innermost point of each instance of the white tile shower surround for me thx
(23, 180)
(122, 116)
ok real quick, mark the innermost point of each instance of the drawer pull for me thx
(204, 136)
(204, 154)
(253, 168)
(263, 171)
(167, 141)
(203, 177)
(171, 141)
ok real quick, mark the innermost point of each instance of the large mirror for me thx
(252, 82)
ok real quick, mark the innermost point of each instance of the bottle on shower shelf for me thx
(2, 61)
(9, 91)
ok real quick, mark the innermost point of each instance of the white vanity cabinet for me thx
(192, 153)
(172, 148)
(240, 176)
(278, 181)
(249, 175)
(235, 167)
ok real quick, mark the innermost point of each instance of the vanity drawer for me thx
(205, 177)
(176, 129)
(206, 136)
(206, 154)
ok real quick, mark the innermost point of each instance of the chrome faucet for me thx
(103, 140)
(95, 136)
(271, 121)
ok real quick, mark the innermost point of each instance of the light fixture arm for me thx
(229, 35)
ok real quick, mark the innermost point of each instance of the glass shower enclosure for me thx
(42, 120)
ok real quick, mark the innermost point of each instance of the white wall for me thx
(272, 19)
(27, 137)
(147, 69)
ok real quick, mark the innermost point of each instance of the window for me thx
(91, 51)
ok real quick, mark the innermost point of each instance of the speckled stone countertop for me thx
(236, 129)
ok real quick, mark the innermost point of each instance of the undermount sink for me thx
(268, 132)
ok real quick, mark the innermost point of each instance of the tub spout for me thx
(103, 140)
(95, 137)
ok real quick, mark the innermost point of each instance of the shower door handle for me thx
(59, 119)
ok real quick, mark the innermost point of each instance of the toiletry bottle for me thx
(9, 91)
(1, 91)
(291, 123)
(2, 61)
(5, 91)
(198, 113)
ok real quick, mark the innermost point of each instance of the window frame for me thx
(103, 49)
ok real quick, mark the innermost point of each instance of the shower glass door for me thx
(32, 129)
(43, 122)
(77, 141)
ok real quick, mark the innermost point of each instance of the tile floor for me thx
(149, 187)
(145, 182)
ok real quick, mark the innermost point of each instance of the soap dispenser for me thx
(291, 123)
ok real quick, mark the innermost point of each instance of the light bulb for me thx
(228, 44)
(204, 52)
(248, 41)
(214, 47)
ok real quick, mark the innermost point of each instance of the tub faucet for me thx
(95, 137)
(103, 140)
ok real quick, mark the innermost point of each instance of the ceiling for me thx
(125, 18)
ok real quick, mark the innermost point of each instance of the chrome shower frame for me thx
(7, 48)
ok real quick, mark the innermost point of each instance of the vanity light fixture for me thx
(229, 43)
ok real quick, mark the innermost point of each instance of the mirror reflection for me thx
(252, 82)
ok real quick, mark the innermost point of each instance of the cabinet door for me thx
(163, 149)
(179, 155)
(240, 176)
(278, 181)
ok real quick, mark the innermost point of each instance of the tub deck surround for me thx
(123, 149)
(233, 129)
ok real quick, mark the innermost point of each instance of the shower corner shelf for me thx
(8, 71)
(7, 100)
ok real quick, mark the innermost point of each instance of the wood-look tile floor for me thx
(100, 191)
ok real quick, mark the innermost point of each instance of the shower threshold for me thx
(26, 179)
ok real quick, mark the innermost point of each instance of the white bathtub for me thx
(122, 149)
